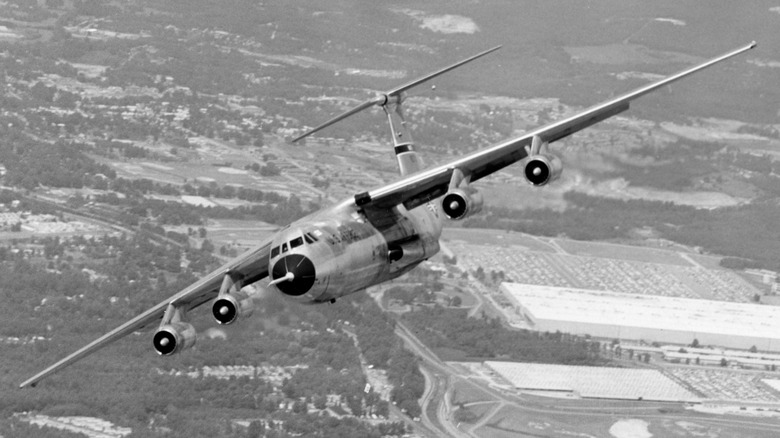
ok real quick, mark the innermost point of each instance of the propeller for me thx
(383, 98)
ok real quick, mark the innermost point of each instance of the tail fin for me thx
(409, 161)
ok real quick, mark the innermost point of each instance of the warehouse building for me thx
(593, 382)
(647, 318)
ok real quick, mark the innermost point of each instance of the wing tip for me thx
(32, 383)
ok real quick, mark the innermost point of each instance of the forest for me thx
(746, 231)
(454, 336)
(70, 291)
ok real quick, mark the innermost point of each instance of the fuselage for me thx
(344, 249)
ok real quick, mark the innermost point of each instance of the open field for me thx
(467, 394)
(245, 233)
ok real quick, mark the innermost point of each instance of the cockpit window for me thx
(275, 252)
(284, 247)
(309, 238)
(298, 241)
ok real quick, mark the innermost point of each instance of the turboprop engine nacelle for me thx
(174, 337)
(458, 203)
(228, 308)
(542, 169)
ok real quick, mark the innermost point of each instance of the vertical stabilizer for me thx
(408, 160)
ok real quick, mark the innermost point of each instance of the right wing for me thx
(248, 267)
(426, 185)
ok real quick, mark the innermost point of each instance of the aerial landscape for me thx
(146, 143)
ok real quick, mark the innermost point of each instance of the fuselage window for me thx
(309, 238)
(284, 247)
(275, 252)
(298, 241)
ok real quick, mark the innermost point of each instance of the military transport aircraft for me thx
(375, 236)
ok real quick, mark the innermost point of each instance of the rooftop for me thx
(593, 382)
(647, 311)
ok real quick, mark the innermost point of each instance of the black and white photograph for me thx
(364, 219)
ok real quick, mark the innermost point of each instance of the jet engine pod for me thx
(457, 203)
(542, 169)
(174, 337)
(227, 308)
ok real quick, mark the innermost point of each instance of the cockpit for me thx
(306, 238)
(291, 267)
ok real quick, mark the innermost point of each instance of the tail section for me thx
(408, 160)
(394, 95)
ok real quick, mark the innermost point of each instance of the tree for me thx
(270, 169)
(695, 343)
(319, 402)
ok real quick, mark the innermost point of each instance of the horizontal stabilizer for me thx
(385, 97)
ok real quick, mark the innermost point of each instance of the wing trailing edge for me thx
(428, 184)
(251, 266)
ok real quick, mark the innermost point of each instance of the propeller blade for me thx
(369, 103)
(419, 81)
(383, 98)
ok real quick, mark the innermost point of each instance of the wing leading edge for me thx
(432, 183)
(250, 266)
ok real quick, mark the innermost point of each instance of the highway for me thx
(438, 412)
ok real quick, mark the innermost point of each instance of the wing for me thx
(423, 186)
(249, 267)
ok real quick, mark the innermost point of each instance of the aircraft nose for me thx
(299, 271)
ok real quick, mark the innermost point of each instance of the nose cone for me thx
(303, 274)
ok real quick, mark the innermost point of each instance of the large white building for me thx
(593, 382)
(646, 317)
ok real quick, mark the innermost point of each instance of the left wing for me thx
(426, 185)
(249, 267)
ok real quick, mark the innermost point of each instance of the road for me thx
(438, 412)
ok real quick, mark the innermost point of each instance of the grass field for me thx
(240, 232)
(465, 393)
